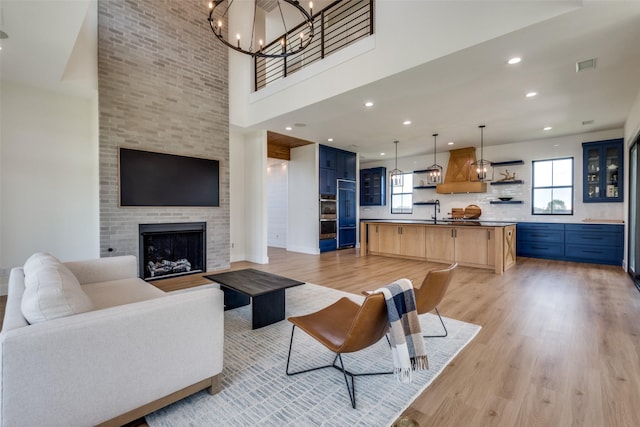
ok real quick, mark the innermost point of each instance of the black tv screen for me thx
(158, 179)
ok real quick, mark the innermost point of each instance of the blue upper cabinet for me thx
(372, 186)
(346, 168)
(328, 157)
(602, 172)
(335, 164)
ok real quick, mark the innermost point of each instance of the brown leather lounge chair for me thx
(431, 292)
(345, 327)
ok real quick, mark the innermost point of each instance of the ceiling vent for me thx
(587, 64)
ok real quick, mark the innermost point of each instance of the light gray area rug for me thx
(257, 392)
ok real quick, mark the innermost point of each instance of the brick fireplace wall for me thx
(163, 86)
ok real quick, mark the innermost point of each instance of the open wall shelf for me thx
(515, 181)
(509, 163)
(425, 203)
(506, 202)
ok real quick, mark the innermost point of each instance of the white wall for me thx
(632, 124)
(567, 146)
(631, 132)
(303, 227)
(420, 40)
(277, 173)
(237, 207)
(255, 197)
(49, 175)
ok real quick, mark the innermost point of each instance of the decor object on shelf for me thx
(395, 175)
(505, 199)
(435, 170)
(218, 13)
(506, 176)
(483, 166)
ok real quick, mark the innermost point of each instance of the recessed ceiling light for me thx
(368, 104)
(531, 94)
(547, 128)
(288, 128)
(450, 143)
(382, 154)
(330, 139)
(514, 60)
(406, 122)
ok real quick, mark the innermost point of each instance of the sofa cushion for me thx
(113, 293)
(37, 260)
(52, 291)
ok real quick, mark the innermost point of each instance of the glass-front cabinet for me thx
(602, 171)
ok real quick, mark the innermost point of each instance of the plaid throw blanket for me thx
(407, 345)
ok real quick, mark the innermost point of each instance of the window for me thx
(402, 195)
(552, 187)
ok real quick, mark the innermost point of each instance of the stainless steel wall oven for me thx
(328, 217)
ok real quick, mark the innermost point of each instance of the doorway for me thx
(633, 267)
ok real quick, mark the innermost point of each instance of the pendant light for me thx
(481, 170)
(395, 176)
(435, 170)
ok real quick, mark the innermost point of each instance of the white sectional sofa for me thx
(106, 349)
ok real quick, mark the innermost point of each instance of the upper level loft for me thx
(336, 26)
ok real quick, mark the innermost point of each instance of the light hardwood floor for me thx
(559, 344)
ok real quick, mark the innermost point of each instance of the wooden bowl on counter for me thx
(472, 212)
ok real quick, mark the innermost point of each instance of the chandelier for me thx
(435, 170)
(481, 166)
(395, 176)
(245, 43)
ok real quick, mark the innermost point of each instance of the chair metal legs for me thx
(444, 327)
(351, 388)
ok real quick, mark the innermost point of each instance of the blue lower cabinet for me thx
(596, 243)
(347, 237)
(327, 245)
(540, 250)
(593, 243)
(540, 240)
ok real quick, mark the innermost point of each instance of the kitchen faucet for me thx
(436, 210)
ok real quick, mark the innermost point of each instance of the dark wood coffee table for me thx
(265, 289)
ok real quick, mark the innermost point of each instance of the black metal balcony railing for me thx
(335, 27)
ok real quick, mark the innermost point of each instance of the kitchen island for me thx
(480, 244)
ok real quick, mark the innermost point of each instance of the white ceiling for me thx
(456, 93)
(451, 95)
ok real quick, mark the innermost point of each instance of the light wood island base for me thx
(491, 246)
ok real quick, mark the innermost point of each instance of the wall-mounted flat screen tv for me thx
(157, 179)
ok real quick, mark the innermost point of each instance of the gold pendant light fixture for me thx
(435, 170)
(395, 176)
(290, 43)
(481, 170)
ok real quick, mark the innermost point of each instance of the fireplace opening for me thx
(172, 249)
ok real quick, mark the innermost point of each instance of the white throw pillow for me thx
(51, 292)
(38, 259)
